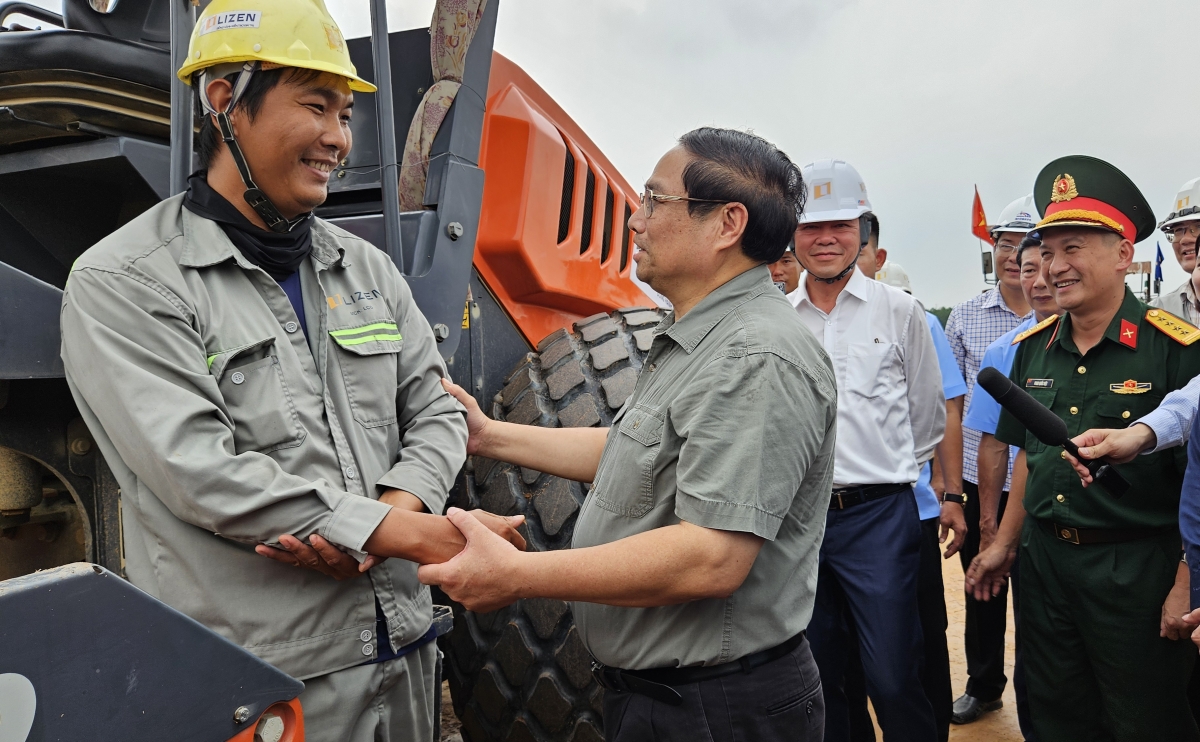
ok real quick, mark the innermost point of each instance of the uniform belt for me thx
(657, 683)
(845, 497)
(1082, 536)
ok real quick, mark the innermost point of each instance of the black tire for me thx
(521, 673)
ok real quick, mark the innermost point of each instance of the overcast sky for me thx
(925, 98)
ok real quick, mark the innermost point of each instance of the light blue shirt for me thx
(952, 386)
(983, 414)
(1172, 420)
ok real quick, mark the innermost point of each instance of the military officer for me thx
(1096, 570)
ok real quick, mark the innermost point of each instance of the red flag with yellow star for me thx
(979, 225)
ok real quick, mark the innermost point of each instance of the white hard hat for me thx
(893, 274)
(1187, 204)
(836, 192)
(1019, 216)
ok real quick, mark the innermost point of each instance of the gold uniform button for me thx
(1081, 370)
(1065, 534)
(1125, 414)
(1074, 410)
(1060, 498)
(1153, 312)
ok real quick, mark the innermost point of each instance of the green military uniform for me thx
(1096, 569)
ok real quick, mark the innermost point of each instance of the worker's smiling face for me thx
(827, 248)
(1033, 283)
(1185, 244)
(1005, 253)
(296, 139)
(786, 270)
(1084, 267)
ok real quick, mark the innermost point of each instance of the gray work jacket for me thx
(226, 427)
(1181, 302)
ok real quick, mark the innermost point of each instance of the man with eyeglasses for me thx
(693, 566)
(1181, 227)
(891, 413)
(971, 328)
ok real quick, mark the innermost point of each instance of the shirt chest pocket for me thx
(369, 360)
(871, 368)
(1121, 410)
(628, 485)
(256, 397)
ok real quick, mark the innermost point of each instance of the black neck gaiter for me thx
(280, 255)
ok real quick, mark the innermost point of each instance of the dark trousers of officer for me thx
(935, 670)
(870, 560)
(986, 621)
(1095, 666)
(778, 701)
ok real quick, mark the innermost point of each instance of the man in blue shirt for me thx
(983, 415)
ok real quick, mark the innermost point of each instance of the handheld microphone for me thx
(1047, 427)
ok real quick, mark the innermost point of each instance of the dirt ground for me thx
(998, 726)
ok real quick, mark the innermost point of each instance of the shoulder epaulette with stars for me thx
(1035, 329)
(1173, 327)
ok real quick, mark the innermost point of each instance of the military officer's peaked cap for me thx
(1082, 191)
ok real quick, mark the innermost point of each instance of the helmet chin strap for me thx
(254, 196)
(864, 231)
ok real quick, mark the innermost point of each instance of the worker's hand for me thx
(988, 572)
(1118, 446)
(952, 519)
(477, 422)
(318, 554)
(1175, 623)
(504, 526)
(480, 577)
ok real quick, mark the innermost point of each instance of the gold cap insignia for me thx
(1063, 189)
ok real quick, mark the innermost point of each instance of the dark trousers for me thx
(780, 700)
(986, 621)
(870, 560)
(935, 670)
(1095, 666)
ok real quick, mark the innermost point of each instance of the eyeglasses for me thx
(649, 197)
(1181, 230)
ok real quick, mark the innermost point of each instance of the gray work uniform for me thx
(730, 427)
(1181, 302)
(226, 427)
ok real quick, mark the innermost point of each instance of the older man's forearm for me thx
(949, 450)
(665, 566)
(570, 453)
(993, 470)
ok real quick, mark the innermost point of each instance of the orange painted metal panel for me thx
(542, 282)
(292, 715)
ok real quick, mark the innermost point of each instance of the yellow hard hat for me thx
(278, 33)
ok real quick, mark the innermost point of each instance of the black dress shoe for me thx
(969, 708)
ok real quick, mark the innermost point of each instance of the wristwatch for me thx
(950, 497)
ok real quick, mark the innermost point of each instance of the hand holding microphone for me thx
(1047, 427)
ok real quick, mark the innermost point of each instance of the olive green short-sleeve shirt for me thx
(1118, 381)
(730, 427)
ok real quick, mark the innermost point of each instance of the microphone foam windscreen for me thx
(1037, 419)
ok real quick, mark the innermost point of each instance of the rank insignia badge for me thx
(1130, 387)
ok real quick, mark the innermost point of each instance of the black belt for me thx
(1098, 535)
(657, 683)
(846, 497)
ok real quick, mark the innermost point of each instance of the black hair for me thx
(208, 141)
(739, 167)
(1031, 240)
(874, 222)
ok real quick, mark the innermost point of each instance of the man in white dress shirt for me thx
(891, 415)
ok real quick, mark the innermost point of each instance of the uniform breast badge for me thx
(1130, 387)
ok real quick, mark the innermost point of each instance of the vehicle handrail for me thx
(15, 7)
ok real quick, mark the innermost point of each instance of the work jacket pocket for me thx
(256, 397)
(628, 485)
(369, 358)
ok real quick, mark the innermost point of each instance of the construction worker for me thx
(938, 519)
(261, 381)
(890, 416)
(1098, 572)
(785, 272)
(971, 328)
(1181, 227)
(694, 558)
(984, 415)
